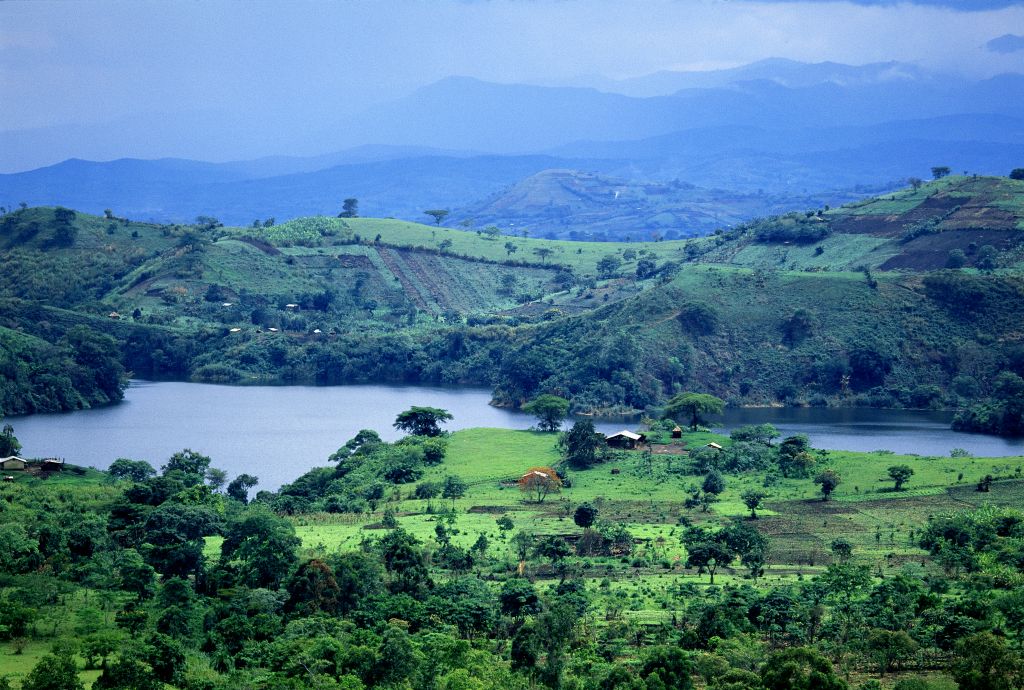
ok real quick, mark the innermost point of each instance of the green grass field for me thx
(648, 500)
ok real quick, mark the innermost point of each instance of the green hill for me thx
(829, 306)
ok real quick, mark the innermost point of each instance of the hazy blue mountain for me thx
(463, 113)
(788, 73)
(173, 190)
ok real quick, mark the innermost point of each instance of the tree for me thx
(549, 410)
(667, 666)
(127, 673)
(422, 421)
(752, 500)
(829, 480)
(708, 555)
(915, 182)
(608, 266)
(454, 488)
(842, 549)
(216, 478)
(986, 259)
(438, 214)
(261, 548)
(580, 443)
(53, 672)
(543, 253)
(1017, 174)
(940, 171)
(519, 598)
(9, 444)
(313, 589)
(404, 562)
(510, 248)
(349, 208)
(538, 482)
(190, 464)
(239, 487)
(984, 662)
(585, 515)
(956, 259)
(899, 475)
(693, 405)
(645, 268)
(800, 668)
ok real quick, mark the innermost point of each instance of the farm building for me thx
(12, 462)
(53, 465)
(677, 432)
(714, 446)
(625, 439)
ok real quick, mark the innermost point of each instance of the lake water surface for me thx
(279, 432)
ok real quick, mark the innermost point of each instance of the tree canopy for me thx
(693, 405)
(550, 410)
(422, 421)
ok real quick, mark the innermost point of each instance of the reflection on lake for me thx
(277, 433)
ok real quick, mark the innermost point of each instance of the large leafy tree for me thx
(238, 488)
(693, 405)
(580, 444)
(549, 410)
(53, 672)
(9, 444)
(800, 668)
(262, 546)
(899, 475)
(422, 421)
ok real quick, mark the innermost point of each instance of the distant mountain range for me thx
(779, 130)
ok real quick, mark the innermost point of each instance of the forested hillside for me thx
(911, 299)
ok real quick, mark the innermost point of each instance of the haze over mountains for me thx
(788, 131)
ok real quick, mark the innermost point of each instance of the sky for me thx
(86, 63)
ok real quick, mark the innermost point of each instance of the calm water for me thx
(277, 433)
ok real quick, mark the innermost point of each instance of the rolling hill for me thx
(851, 305)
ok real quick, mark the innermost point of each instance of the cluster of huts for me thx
(12, 463)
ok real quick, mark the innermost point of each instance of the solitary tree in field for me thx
(543, 253)
(438, 214)
(422, 421)
(915, 182)
(1017, 174)
(752, 500)
(899, 475)
(693, 405)
(349, 208)
(709, 556)
(579, 445)
(454, 488)
(538, 482)
(549, 410)
(829, 480)
(585, 515)
(940, 171)
(510, 248)
(842, 549)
